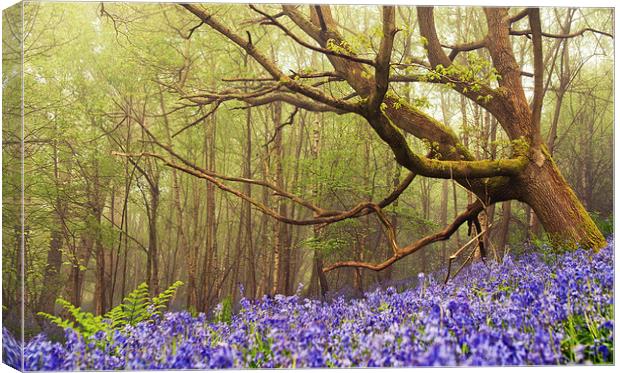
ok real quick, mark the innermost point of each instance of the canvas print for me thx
(213, 185)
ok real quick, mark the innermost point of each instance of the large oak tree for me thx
(529, 175)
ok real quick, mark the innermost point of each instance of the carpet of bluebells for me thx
(530, 310)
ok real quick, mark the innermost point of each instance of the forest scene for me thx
(212, 185)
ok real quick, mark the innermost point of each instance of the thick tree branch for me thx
(496, 105)
(426, 21)
(403, 115)
(515, 118)
(382, 61)
(442, 169)
(537, 102)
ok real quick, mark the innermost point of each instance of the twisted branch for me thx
(400, 252)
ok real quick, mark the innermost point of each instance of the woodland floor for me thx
(536, 309)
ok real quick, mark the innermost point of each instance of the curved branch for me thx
(202, 118)
(472, 211)
(322, 216)
(260, 97)
(466, 47)
(441, 169)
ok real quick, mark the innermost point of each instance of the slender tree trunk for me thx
(318, 255)
(265, 223)
(280, 229)
(152, 254)
(504, 227)
(211, 235)
(443, 217)
(76, 276)
(100, 282)
(51, 277)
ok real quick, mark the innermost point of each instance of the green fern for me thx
(160, 302)
(133, 309)
(136, 307)
(85, 323)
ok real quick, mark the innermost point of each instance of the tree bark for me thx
(560, 212)
(504, 227)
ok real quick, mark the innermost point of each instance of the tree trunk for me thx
(100, 283)
(76, 276)
(211, 238)
(51, 277)
(504, 227)
(152, 258)
(279, 233)
(318, 256)
(560, 212)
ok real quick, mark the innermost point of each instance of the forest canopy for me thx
(263, 146)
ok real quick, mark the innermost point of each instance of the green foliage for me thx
(136, 307)
(583, 341)
(223, 312)
(604, 223)
(85, 323)
(477, 72)
(161, 301)
(326, 245)
(343, 47)
(544, 245)
(261, 350)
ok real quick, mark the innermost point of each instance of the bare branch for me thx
(287, 122)
(269, 65)
(528, 33)
(467, 47)
(202, 118)
(519, 16)
(458, 252)
(472, 211)
(273, 21)
(322, 216)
